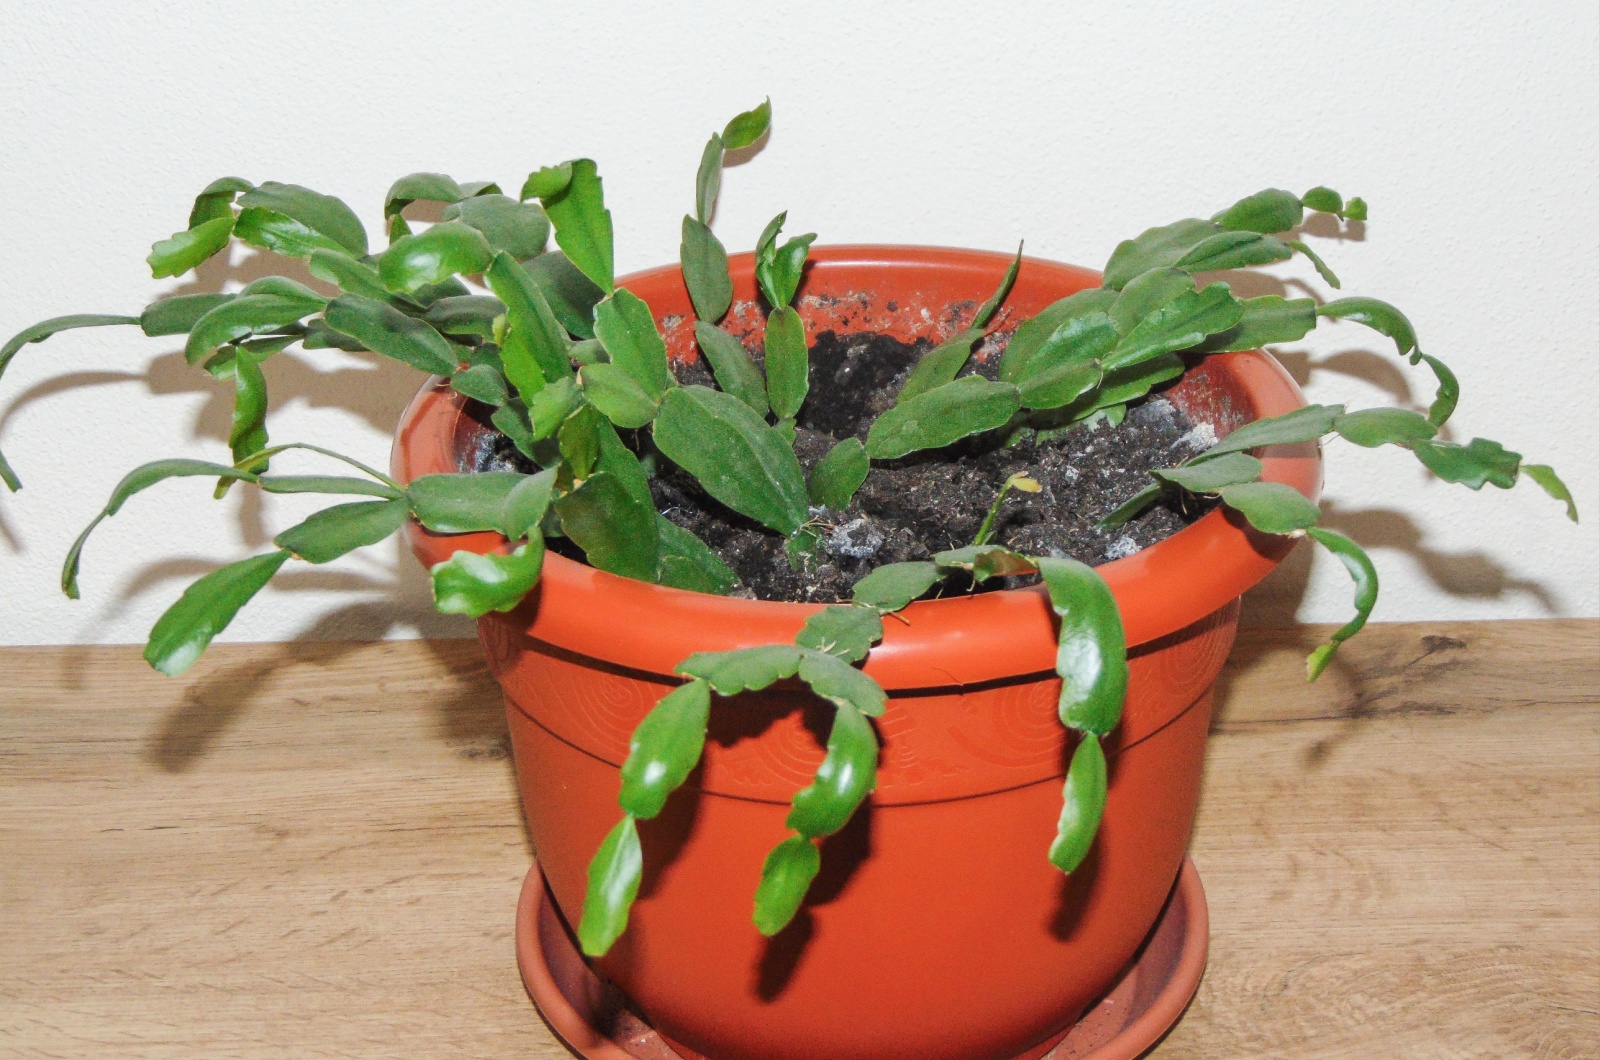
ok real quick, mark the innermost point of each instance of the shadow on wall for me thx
(1469, 575)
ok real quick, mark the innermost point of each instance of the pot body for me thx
(937, 928)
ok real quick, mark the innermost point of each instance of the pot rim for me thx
(940, 643)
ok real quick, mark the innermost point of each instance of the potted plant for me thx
(784, 596)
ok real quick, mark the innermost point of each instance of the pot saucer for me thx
(592, 1019)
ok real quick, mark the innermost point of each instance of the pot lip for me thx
(940, 643)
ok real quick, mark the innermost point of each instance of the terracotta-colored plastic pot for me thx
(937, 929)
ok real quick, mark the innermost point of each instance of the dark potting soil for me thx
(927, 502)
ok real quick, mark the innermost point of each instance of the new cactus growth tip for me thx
(577, 376)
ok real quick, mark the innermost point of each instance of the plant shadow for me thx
(1474, 574)
(469, 714)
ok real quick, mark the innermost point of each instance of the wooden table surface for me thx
(314, 850)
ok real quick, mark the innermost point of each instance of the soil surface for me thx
(910, 508)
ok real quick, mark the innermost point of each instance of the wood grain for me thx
(314, 850)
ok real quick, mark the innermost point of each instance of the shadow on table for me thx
(219, 693)
(470, 715)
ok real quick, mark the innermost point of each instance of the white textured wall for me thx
(1472, 131)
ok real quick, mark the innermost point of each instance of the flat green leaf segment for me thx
(1264, 321)
(1551, 483)
(665, 748)
(893, 586)
(614, 876)
(1365, 576)
(708, 180)
(520, 229)
(836, 477)
(735, 455)
(1478, 463)
(778, 268)
(572, 295)
(482, 382)
(625, 326)
(423, 187)
(1273, 210)
(136, 481)
(464, 503)
(1091, 655)
(384, 329)
(257, 309)
(845, 632)
(610, 388)
(1379, 316)
(272, 231)
(1179, 323)
(788, 368)
(1212, 476)
(743, 130)
(785, 878)
(467, 316)
(335, 531)
(745, 670)
(847, 775)
(1271, 507)
(534, 347)
(1091, 659)
(686, 562)
(351, 276)
(616, 527)
(1072, 329)
(735, 371)
(322, 214)
(175, 315)
(1302, 425)
(1195, 246)
(471, 584)
(182, 251)
(942, 416)
(941, 364)
(185, 629)
(1370, 428)
(842, 684)
(326, 484)
(1083, 803)
(582, 223)
(444, 250)
(705, 271)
